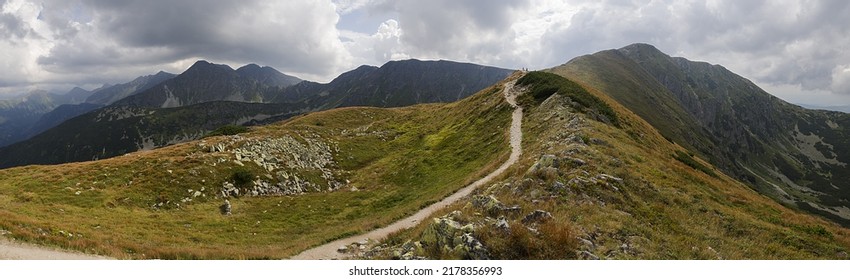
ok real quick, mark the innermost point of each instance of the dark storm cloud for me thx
(783, 43)
(287, 35)
(11, 26)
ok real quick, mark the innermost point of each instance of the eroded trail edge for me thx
(329, 250)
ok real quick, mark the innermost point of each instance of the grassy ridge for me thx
(663, 207)
(543, 84)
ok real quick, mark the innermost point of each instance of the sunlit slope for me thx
(588, 188)
(291, 185)
(797, 156)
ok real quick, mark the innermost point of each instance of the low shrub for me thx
(544, 84)
(228, 130)
(242, 177)
(688, 160)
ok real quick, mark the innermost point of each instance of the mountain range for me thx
(19, 115)
(207, 96)
(622, 154)
(838, 108)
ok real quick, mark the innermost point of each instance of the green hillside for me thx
(586, 189)
(797, 156)
(292, 185)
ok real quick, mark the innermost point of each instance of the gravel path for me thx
(12, 250)
(329, 250)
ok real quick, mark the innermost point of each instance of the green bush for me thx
(690, 161)
(544, 84)
(228, 130)
(242, 177)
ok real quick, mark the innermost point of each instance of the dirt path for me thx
(329, 250)
(12, 250)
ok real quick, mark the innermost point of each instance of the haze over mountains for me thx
(838, 108)
(19, 115)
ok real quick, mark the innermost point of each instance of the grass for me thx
(402, 159)
(227, 130)
(689, 160)
(664, 208)
(399, 160)
(543, 84)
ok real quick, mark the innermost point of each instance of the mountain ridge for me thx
(584, 187)
(145, 124)
(110, 94)
(778, 148)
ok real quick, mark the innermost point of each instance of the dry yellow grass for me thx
(416, 155)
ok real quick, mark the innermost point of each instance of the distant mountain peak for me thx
(642, 50)
(78, 91)
(109, 94)
(205, 65)
(267, 75)
(251, 66)
(641, 46)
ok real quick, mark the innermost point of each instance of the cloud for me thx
(841, 79)
(598, 27)
(11, 27)
(447, 29)
(294, 36)
(20, 44)
(772, 42)
(784, 44)
(348, 6)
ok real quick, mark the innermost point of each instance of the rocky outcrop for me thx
(285, 161)
(445, 236)
(536, 217)
(492, 206)
(452, 237)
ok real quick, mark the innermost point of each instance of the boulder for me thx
(225, 208)
(488, 203)
(502, 224)
(453, 238)
(536, 217)
(585, 255)
(575, 162)
(558, 186)
(586, 243)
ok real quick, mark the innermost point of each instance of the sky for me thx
(796, 50)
